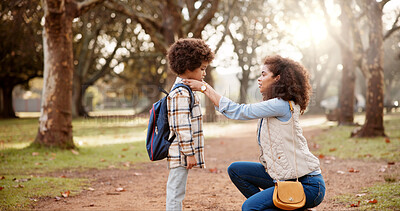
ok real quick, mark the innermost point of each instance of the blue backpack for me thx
(157, 142)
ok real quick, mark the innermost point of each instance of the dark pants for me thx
(249, 177)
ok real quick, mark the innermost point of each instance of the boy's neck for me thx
(183, 76)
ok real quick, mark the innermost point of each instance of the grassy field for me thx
(119, 143)
(102, 143)
(335, 141)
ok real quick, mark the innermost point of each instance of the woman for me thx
(284, 150)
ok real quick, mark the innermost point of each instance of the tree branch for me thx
(393, 29)
(199, 26)
(105, 69)
(383, 3)
(334, 35)
(226, 27)
(86, 5)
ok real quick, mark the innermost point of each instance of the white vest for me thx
(283, 166)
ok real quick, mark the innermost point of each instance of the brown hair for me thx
(293, 83)
(188, 54)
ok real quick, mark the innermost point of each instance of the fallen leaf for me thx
(35, 153)
(2, 177)
(321, 156)
(137, 174)
(120, 189)
(361, 194)
(38, 164)
(23, 180)
(214, 170)
(127, 164)
(90, 189)
(121, 156)
(332, 149)
(382, 169)
(18, 186)
(373, 201)
(74, 152)
(340, 172)
(391, 163)
(387, 140)
(102, 160)
(58, 198)
(352, 170)
(355, 205)
(125, 149)
(65, 194)
(1, 188)
(63, 176)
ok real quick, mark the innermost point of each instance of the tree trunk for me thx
(6, 106)
(211, 115)
(346, 94)
(373, 125)
(55, 122)
(78, 110)
(244, 86)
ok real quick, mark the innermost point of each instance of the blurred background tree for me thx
(21, 50)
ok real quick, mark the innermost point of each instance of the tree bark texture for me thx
(373, 125)
(55, 122)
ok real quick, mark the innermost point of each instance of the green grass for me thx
(387, 196)
(19, 195)
(34, 160)
(102, 143)
(336, 141)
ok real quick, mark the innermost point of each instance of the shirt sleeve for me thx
(271, 108)
(180, 121)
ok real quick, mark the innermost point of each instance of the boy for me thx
(188, 58)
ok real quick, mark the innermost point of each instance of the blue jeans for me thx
(249, 177)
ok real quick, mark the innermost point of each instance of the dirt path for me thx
(207, 189)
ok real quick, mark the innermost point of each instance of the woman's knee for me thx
(232, 168)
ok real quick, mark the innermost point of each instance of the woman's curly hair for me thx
(188, 54)
(293, 83)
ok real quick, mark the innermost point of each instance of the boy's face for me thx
(199, 73)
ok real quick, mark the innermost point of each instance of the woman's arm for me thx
(270, 108)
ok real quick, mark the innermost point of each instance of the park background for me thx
(90, 70)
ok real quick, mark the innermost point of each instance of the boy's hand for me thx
(191, 161)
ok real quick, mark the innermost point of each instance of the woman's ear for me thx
(277, 77)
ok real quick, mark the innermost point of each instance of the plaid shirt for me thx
(187, 126)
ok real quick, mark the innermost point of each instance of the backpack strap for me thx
(191, 94)
(191, 105)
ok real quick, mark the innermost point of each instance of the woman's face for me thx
(199, 73)
(266, 79)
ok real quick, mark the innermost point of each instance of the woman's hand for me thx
(195, 85)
